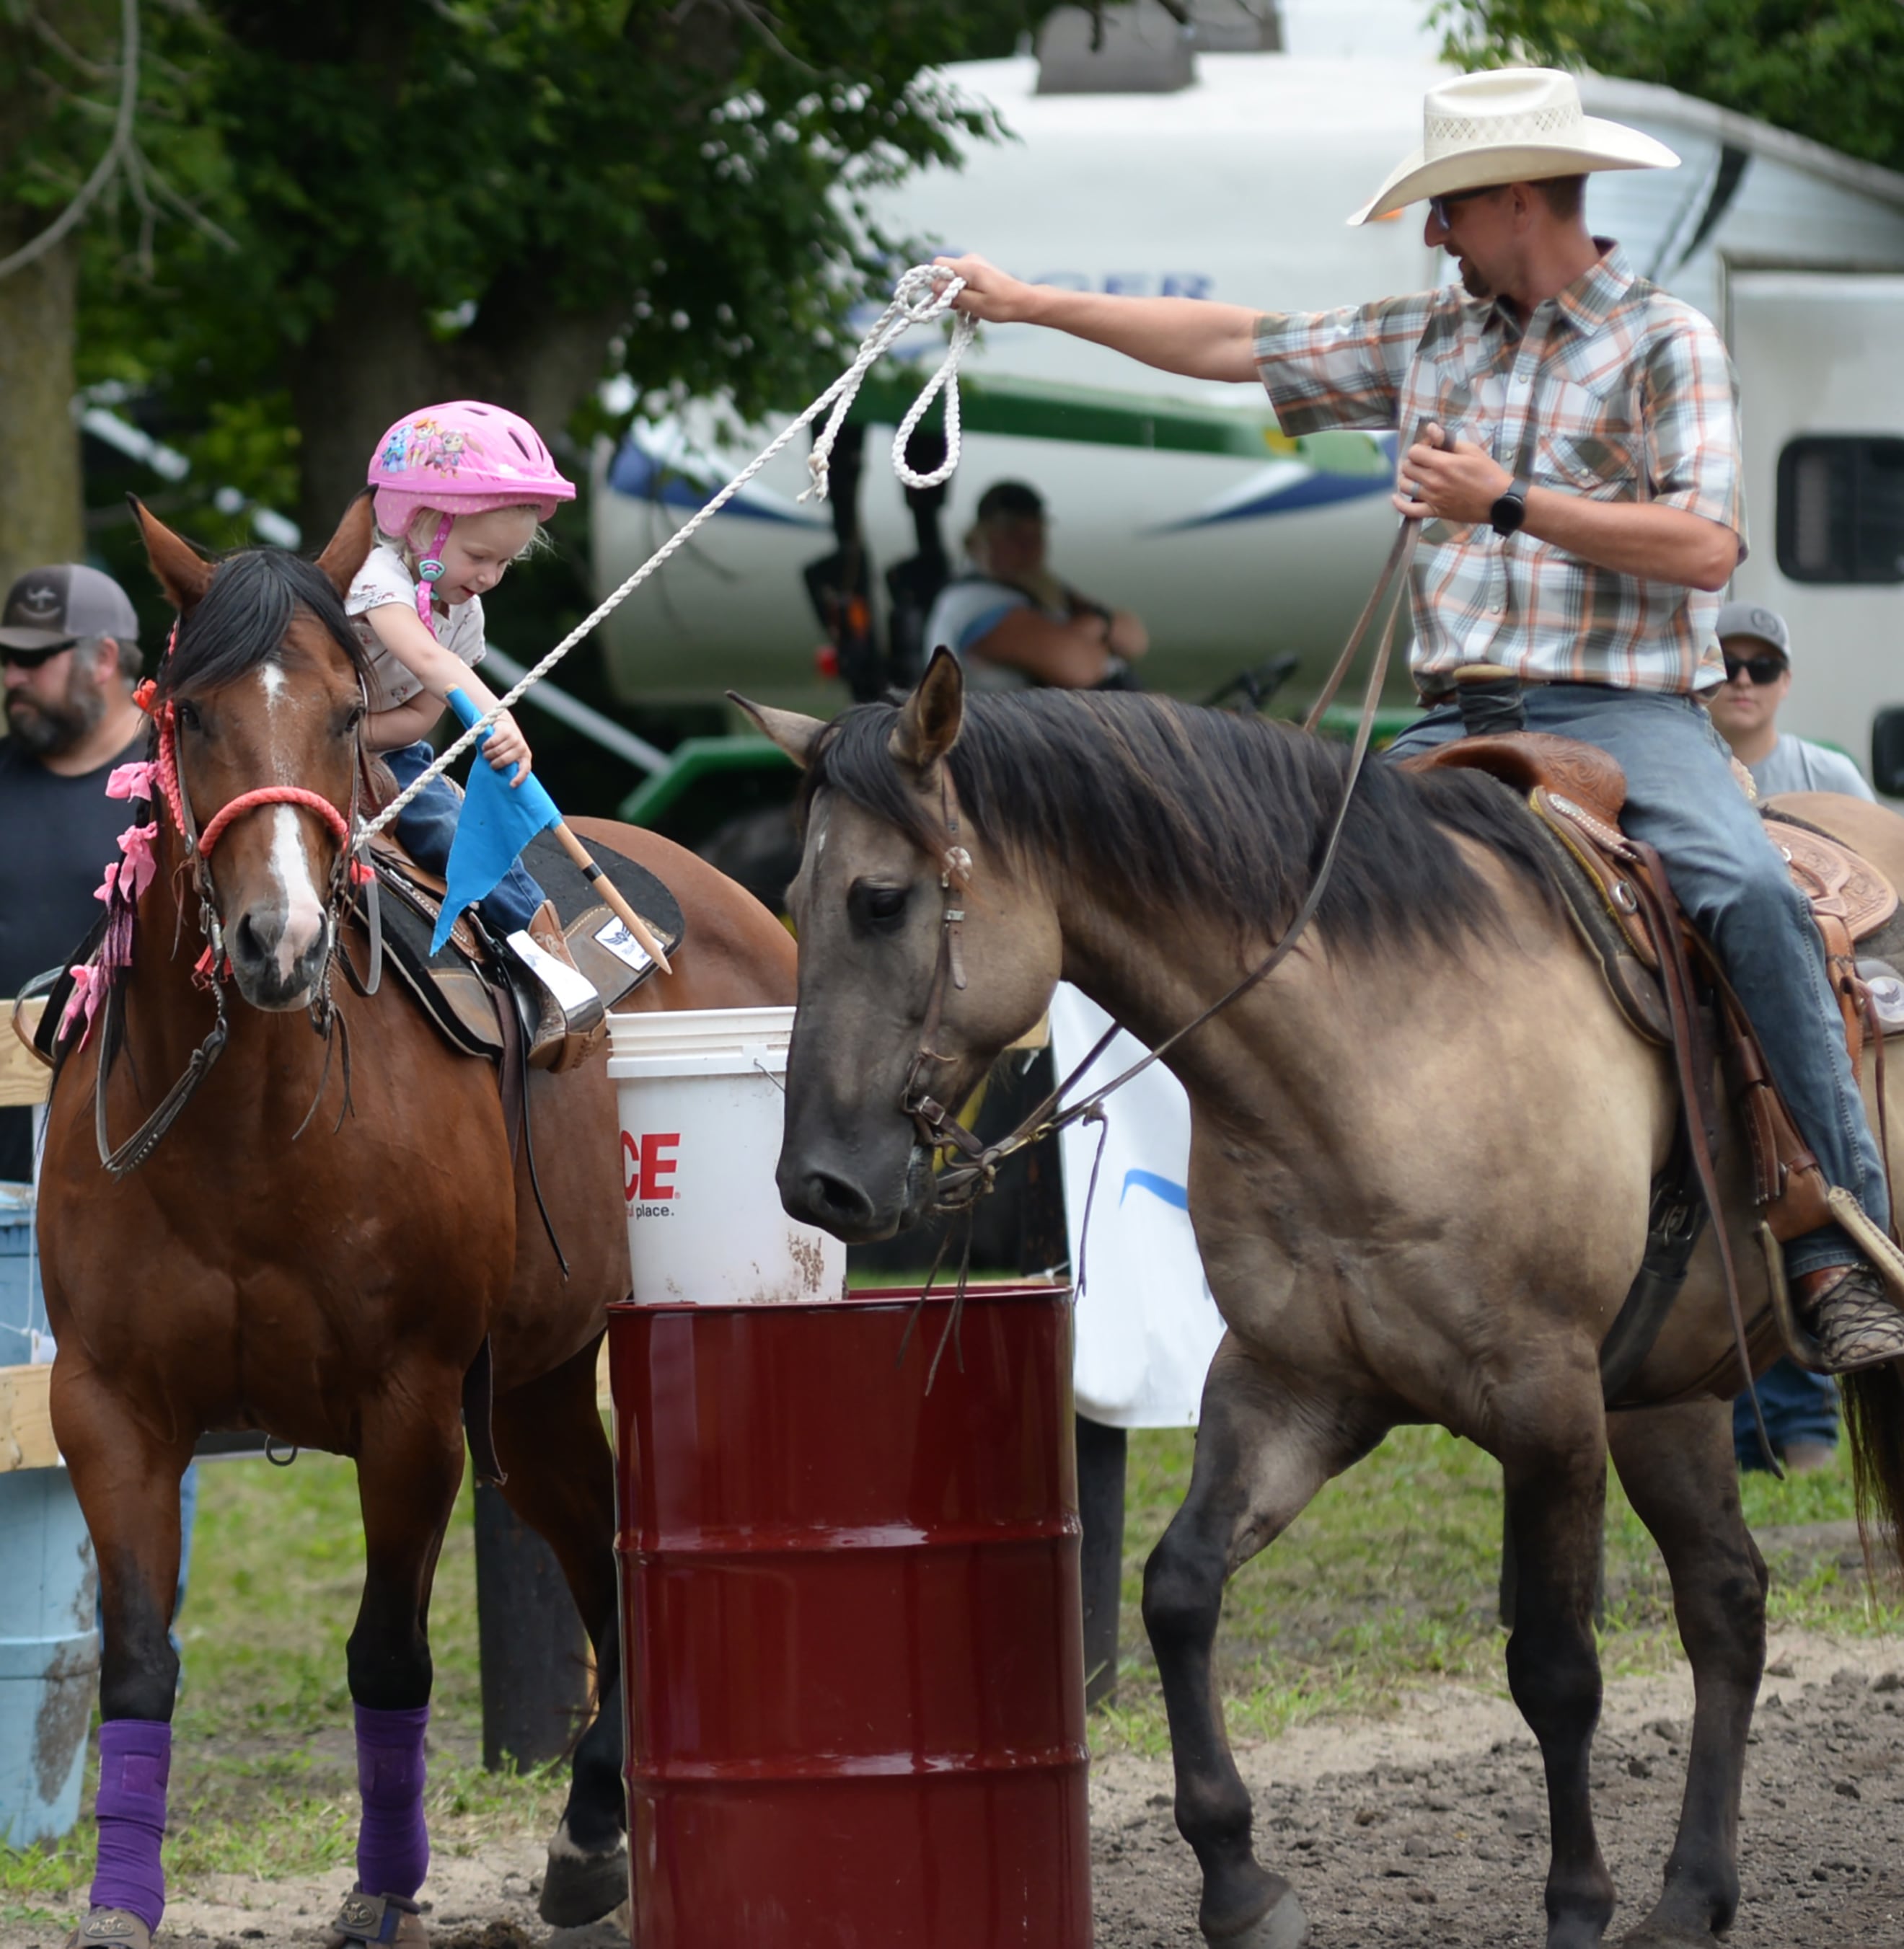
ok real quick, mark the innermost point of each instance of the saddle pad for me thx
(453, 986)
(603, 949)
(450, 987)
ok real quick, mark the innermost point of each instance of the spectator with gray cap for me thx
(1757, 648)
(70, 656)
(1801, 1409)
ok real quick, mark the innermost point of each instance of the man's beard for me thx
(47, 729)
(1473, 281)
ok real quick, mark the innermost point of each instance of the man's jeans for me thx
(1681, 798)
(428, 825)
(1798, 1407)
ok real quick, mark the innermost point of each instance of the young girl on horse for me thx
(461, 490)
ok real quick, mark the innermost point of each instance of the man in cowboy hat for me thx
(1572, 450)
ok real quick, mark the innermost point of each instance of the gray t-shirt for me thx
(1797, 765)
(967, 611)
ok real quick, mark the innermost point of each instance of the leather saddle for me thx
(461, 989)
(1576, 792)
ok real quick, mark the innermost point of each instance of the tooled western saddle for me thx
(1671, 989)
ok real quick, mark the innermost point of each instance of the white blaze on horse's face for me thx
(290, 861)
(291, 868)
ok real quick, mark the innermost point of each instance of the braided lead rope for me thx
(918, 298)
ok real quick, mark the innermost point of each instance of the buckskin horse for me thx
(1421, 1152)
(329, 1272)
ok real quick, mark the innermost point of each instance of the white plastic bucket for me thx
(700, 1096)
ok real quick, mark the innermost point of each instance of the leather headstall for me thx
(214, 966)
(961, 1184)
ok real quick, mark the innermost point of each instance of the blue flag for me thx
(498, 820)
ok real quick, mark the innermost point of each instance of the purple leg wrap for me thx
(134, 1759)
(393, 1843)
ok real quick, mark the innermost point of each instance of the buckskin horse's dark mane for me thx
(242, 619)
(1198, 811)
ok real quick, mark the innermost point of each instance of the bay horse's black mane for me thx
(243, 616)
(1200, 812)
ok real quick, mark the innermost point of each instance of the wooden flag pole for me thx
(611, 892)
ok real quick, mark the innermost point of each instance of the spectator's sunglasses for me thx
(1766, 668)
(1439, 206)
(31, 660)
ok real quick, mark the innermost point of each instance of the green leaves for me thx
(1832, 70)
(661, 189)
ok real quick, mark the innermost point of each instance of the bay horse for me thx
(1421, 1152)
(326, 1271)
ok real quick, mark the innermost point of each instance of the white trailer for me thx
(1236, 187)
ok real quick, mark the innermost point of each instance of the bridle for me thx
(213, 966)
(962, 1183)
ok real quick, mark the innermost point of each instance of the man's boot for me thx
(572, 1020)
(1848, 1310)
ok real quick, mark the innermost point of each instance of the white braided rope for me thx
(915, 301)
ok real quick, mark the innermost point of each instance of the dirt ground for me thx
(1425, 1828)
(1431, 1827)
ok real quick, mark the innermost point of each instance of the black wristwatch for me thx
(1507, 513)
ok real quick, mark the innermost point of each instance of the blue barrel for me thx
(49, 1644)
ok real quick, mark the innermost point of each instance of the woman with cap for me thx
(1756, 646)
(1572, 450)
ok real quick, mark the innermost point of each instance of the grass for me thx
(1388, 1579)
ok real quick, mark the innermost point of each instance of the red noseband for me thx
(250, 801)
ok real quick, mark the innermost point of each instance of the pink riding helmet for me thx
(461, 458)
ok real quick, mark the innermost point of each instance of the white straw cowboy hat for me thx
(1509, 125)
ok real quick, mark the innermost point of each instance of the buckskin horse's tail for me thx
(1874, 1426)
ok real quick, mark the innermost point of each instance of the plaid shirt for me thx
(1608, 382)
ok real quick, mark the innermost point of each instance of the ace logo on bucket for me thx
(648, 1164)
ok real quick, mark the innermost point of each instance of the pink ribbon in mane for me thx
(126, 879)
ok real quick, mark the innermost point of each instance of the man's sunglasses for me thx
(1439, 206)
(1762, 669)
(31, 660)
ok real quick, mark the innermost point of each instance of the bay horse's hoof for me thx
(111, 1928)
(579, 1888)
(1285, 1926)
(381, 1918)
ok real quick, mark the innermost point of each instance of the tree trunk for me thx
(40, 504)
(375, 358)
(371, 360)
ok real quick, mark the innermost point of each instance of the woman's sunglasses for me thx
(1762, 669)
(31, 660)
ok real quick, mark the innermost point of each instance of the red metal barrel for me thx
(850, 1609)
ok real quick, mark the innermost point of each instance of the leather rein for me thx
(214, 965)
(960, 1184)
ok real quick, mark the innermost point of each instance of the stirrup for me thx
(572, 1020)
(1855, 1322)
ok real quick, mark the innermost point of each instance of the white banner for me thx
(1146, 1325)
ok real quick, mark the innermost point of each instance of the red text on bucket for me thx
(648, 1165)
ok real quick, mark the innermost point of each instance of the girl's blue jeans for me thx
(427, 825)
